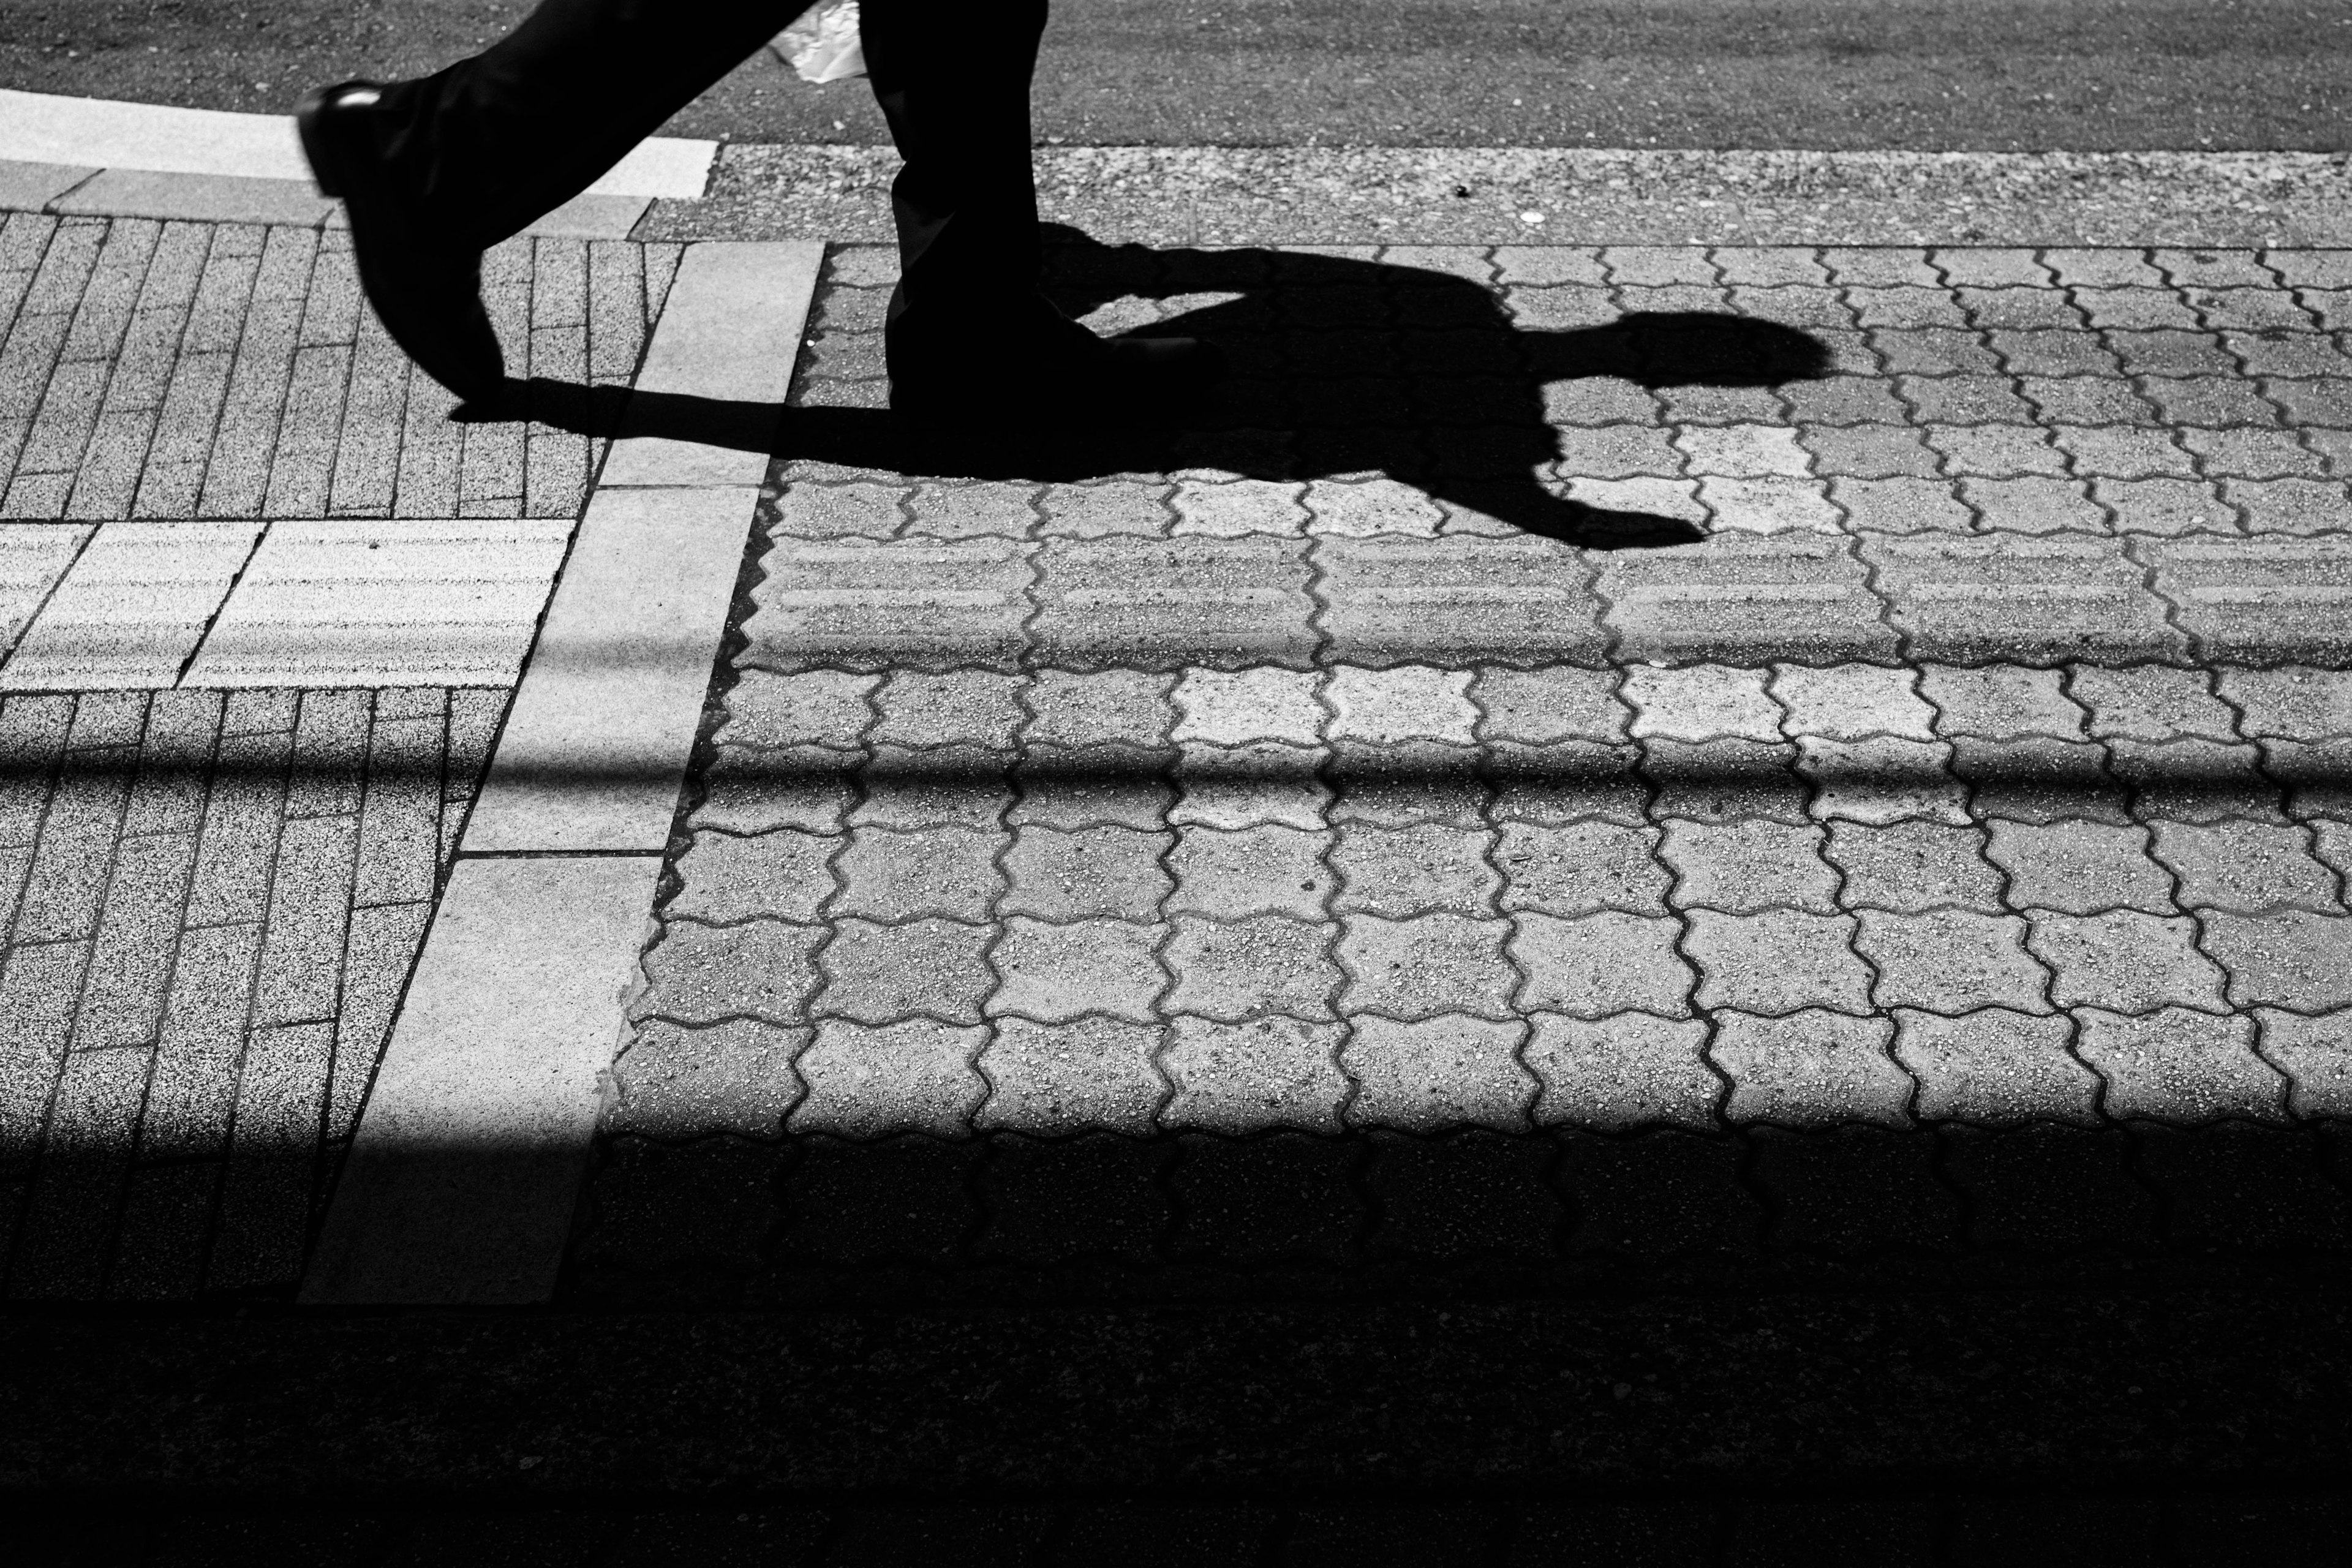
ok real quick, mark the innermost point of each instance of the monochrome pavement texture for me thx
(1545, 780)
(263, 604)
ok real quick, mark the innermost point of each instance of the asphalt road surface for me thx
(1962, 74)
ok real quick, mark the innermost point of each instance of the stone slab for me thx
(597, 743)
(730, 332)
(201, 198)
(461, 1180)
(590, 216)
(32, 186)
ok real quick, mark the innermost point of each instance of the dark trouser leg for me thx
(496, 141)
(952, 80)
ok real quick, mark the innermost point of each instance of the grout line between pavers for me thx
(465, 1172)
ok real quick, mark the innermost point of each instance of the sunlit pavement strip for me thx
(466, 1168)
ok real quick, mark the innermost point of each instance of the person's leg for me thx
(952, 80)
(969, 335)
(495, 142)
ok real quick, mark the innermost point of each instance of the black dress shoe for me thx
(427, 290)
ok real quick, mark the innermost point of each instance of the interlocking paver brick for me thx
(1107, 872)
(677, 1083)
(707, 974)
(1901, 506)
(1582, 868)
(972, 511)
(1996, 450)
(1868, 452)
(1602, 963)
(1951, 962)
(2296, 702)
(1850, 701)
(2031, 351)
(1091, 1075)
(2246, 867)
(2039, 780)
(886, 875)
(1746, 868)
(1910, 866)
(948, 786)
(1778, 962)
(1772, 505)
(1241, 786)
(975, 706)
(836, 512)
(1398, 872)
(2288, 506)
(2165, 507)
(1569, 782)
(2002, 702)
(1070, 788)
(2209, 401)
(2295, 959)
(1702, 702)
(1616, 452)
(914, 1076)
(1055, 972)
(2124, 961)
(1255, 1074)
(1125, 705)
(1094, 510)
(2166, 351)
(1744, 451)
(2034, 505)
(2195, 780)
(1882, 779)
(2080, 868)
(1996, 1067)
(1440, 1073)
(1399, 784)
(2315, 1055)
(1721, 781)
(1236, 507)
(1810, 1069)
(1623, 1072)
(782, 875)
(1555, 703)
(1426, 965)
(1969, 600)
(878, 973)
(1265, 870)
(2252, 454)
(2179, 1065)
(2152, 702)
(2123, 452)
(1953, 381)
(2086, 400)
(801, 787)
(1402, 703)
(1236, 969)
(1260, 704)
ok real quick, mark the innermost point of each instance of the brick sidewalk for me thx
(1545, 776)
(264, 602)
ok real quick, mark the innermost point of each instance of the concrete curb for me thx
(466, 1166)
(157, 138)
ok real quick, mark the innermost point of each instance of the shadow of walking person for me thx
(1344, 368)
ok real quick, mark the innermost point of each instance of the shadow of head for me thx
(1344, 368)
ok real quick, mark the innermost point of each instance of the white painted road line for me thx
(462, 1177)
(103, 133)
(467, 1165)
